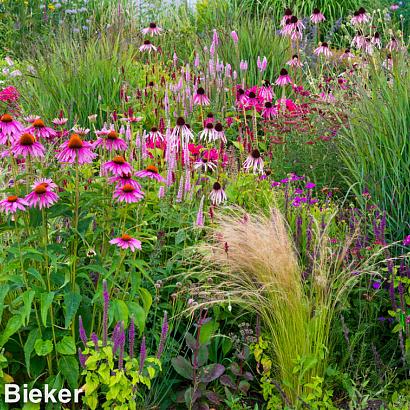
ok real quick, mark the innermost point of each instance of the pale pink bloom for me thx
(76, 150)
(358, 40)
(205, 164)
(208, 133)
(254, 162)
(26, 145)
(219, 132)
(283, 78)
(327, 97)
(393, 45)
(181, 134)
(234, 37)
(359, 17)
(147, 46)
(59, 121)
(217, 195)
(295, 62)
(110, 140)
(128, 193)
(39, 130)
(150, 172)
(317, 17)
(347, 55)
(323, 49)
(394, 7)
(287, 15)
(12, 204)
(200, 98)
(126, 242)
(42, 195)
(152, 30)
(80, 131)
(243, 65)
(262, 64)
(155, 135)
(376, 41)
(117, 166)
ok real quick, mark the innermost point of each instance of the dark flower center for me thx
(209, 126)
(75, 142)
(241, 91)
(200, 91)
(283, 71)
(255, 154)
(38, 123)
(112, 135)
(126, 237)
(268, 104)
(119, 160)
(154, 129)
(217, 186)
(218, 127)
(6, 118)
(151, 84)
(152, 25)
(362, 10)
(12, 198)
(376, 34)
(252, 95)
(210, 115)
(295, 56)
(27, 140)
(147, 42)
(293, 19)
(288, 12)
(180, 122)
(127, 188)
(324, 44)
(40, 189)
(316, 11)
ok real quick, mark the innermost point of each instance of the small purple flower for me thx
(310, 185)
(83, 358)
(94, 339)
(376, 284)
(406, 241)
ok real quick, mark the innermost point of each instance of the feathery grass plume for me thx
(253, 262)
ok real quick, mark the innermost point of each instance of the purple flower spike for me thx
(164, 332)
(131, 338)
(94, 338)
(82, 358)
(106, 297)
(143, 354)
(83, 335)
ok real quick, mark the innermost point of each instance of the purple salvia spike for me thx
(164, 332)
(131, 338)
(83, 335)
(143, 354)
(82, 358)
(106, 297)
(94, 339)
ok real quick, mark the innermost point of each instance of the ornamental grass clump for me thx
(254, 264)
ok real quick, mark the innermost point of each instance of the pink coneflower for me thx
(111, 141)
(75, 149)
(359, 17)
(217, 195)
(200, 98)
(294, 61)
(266, 91)
(241, 96)
(80, 131)
(147, 47)
(208, 133)
(181, 134)
(358, 40)
(286, 16)
(126, 242)
(42, 195)
(283, 78)
(150, 172)
(128, 193)
(219, 132)
(376, 41)
(118, 166)
(317, 17)
(296, 24)
(205, 164)
(323, 49)
(269, 111)
(10, 128)
(123, 179)
(253, 100)
(59, 121)
(27, 145)
(347, 55)
(155, 135)
(12, 204)
(39, 129)
(393, 44)
(152, 30)
(254, 162)
(327, 97)
(394, 7)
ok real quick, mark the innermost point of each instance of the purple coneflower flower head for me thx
(205, 164)
(151, 171)
(359, 17)
(121, 180)
(126, 242)
(323, 49)
(283, 78)
(208, 133)
(163, 338)
(12, 204)
(60, 121)
(81, 330)
(254, 162)
(118, 166)
(241, 96)
(269, 111)
(200, 215)
(286, 16)
(317, 17)
(217, 195)
(26, 145)
(393, 44)
(143, 354)
(295, 62)
(9, 128)
(155, 135)
(128, 193)
(200, 98)
(39, 130)
(76, 150)
(42, 196)
(347, 55)
(111, 141)
(152, 30)
(265, 91)
(181, 134)
(219, 132)
(406, 241)
(148, 47)
(376, 41)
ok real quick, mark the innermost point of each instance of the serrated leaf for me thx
(43, 347)
(66, 346)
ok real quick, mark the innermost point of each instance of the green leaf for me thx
(29, 347)
(139, 315)
(121, 312)
(4, 289)
(182, 367)
(28, 297)
(46, 299)
(13, 325)
(43, 347)
(206, 332)
(66, 345)
(72, 302)
(68, 366)
(146, 299)
(37, 275)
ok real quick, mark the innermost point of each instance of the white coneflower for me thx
(217, 195)
(254, 162)
(181, 134)
(154, 135)
(219, 132)
(208, 133)
(205, 164)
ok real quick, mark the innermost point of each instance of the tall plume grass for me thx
(253, 263)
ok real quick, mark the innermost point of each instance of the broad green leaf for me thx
(29, 346)
(139, 315)
(13, 325)
(120, 311)
(66, 346)
(28, 297)
(68, 366)
(43, 347)
(4, 289)
(182, 367)
(46, 299)
(72, 302)
(146, 299)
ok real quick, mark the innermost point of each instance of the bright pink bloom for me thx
(126, 242)
(111, 141)
(128, 193)
(12, 204)
(9, 94)
(26, 145)
(150, 172)
(123, 179)
(39, 130)
(118, 166)
(200, 98)
(10, 129)
(42, 195)
(75, 149)
(269, 111)
(283, 78)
